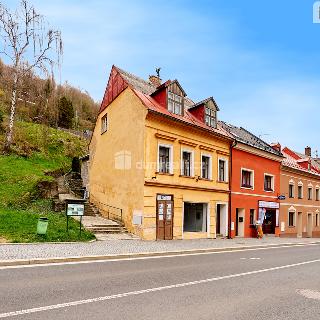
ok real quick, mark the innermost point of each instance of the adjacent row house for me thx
(168, 169)
(300, 183)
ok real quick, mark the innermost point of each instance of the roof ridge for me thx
(134, 76)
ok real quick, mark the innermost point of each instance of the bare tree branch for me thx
(29, 45)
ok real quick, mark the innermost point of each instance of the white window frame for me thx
(252, 177)
(310, 187)
(316, 219)
(104, 123)
(210, 165)
(300, 184)
(294, 218)
(291, 183)
(170, 146)
(272, 182)
(226, 169)
(191, 165)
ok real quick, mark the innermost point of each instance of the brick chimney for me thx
(276, 146)
(307, 151)
(155, 80)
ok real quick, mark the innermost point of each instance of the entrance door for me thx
(299, 225)
(309, 225)
(164, 217)
(222, 220)
(240, 222)
(269, 223)
(218, 220)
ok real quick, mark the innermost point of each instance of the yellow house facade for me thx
(161, 160)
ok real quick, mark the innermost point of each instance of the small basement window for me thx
(104, 123)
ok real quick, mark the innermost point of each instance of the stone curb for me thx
(39, 243)
(22, 262)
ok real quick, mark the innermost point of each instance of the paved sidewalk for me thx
(64, 250)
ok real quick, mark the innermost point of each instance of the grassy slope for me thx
(37, 150)
(20, 174)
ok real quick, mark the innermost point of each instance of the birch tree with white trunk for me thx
(29, 44)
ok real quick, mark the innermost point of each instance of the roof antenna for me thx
(158, 72)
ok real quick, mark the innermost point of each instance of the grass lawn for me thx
(21, 226)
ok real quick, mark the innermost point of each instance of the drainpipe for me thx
(234, 143)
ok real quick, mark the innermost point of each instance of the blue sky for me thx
(258, 59)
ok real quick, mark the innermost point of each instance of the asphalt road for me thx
(281, 283)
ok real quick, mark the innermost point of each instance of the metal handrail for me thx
(118, 215)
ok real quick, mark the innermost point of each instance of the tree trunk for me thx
(9, 136)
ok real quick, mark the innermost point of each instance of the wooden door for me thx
(164, 218)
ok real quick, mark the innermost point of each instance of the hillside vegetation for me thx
(38, 154)
(38, 150)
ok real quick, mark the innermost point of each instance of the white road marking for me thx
(135, 293)
(250, 258)
(309, 294)
(164, 255)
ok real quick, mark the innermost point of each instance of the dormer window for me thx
(174, 103)
(210, 117)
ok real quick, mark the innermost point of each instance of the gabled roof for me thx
(137, 83)
(244, 136)
(167, 84)
(204, 102)
(293, 162)
(314, 163)
(144, 91)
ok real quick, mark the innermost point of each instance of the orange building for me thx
(300, 183)
(255, 184)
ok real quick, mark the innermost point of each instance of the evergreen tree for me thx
(66, 113)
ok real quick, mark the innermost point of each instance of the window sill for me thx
(164, 173)
(270, 191)
(291, 227)
(248, 188)
(205, 179)
(221, 181)
(188, 177)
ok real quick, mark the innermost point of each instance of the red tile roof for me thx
(292, 162)
(144, 91)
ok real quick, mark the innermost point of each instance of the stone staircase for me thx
(70, 187)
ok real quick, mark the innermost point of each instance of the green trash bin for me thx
(42, 225)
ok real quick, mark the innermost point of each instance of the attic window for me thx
(174, 103)
(211, 117)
